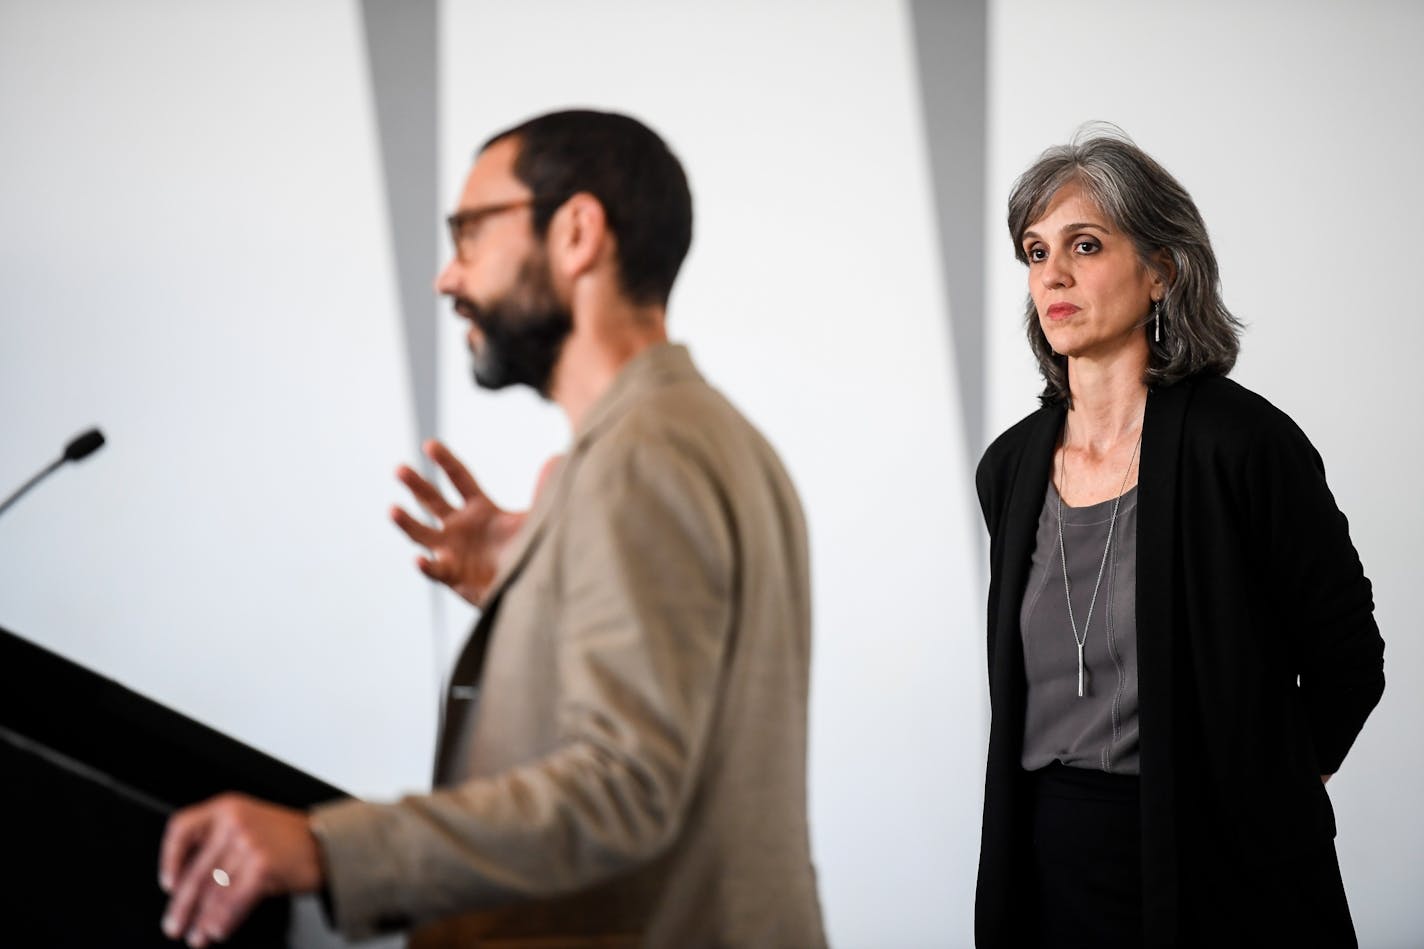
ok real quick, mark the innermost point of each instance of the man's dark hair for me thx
(632, 173)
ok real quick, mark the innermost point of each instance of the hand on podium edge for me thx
(220, 857)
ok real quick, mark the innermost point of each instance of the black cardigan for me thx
(1258, 662)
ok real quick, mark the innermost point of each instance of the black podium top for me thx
(88, 773)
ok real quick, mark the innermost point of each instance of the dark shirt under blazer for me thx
(1259, 660)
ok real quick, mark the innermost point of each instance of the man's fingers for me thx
(418, 531)
(223, 908)
(426, 493)
(455, 470)
(185, 831)
(249, 849)
(183, 907)
(226, 916)
(433, 569)
(192, 879)
(545, 473)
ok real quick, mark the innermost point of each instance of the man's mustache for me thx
(467, 308)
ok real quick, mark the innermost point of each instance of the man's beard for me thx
(524, 332)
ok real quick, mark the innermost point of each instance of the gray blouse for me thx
(1099, 730)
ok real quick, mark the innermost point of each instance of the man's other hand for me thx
(220, 857)
(466, 542)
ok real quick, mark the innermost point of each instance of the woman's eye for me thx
(1037, 254)
(1086, 247)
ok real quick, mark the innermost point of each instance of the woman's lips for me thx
(1061, 311)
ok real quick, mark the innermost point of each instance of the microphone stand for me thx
(31, 483)
(82, 446)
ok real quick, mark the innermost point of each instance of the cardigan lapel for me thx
(1020, 525)
(1157, 505)
(1012, 517)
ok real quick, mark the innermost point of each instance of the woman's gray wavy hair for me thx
(1199, 334)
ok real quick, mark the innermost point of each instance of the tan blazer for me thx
(623, 755)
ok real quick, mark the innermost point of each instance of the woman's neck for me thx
(1108, 404)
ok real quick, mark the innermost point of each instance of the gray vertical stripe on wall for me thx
(401, 44)
(951, 47)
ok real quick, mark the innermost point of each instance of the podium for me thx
(89, 771)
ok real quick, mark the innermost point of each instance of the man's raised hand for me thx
(465, 542)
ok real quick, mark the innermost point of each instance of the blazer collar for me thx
(658, 365)
(654, 367)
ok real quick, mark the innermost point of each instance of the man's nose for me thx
(447, 282)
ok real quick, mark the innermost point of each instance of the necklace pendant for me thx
(1080, 670)
(1080, 641)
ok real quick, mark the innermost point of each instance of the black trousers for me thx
(1087, 858)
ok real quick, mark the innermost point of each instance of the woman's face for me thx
(1091, 290)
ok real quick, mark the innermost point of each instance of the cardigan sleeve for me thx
(1325, 597)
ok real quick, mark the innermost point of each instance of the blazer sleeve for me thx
(1322, 592)
(646, 564)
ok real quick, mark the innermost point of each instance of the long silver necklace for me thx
(1082, 640)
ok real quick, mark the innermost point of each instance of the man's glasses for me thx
(465, 225)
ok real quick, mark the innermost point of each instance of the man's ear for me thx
(578, 236)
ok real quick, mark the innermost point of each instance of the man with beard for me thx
(622, 756)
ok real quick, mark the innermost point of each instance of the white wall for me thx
(1297, 128)
(194, 257)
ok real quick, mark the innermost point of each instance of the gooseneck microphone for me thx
(81, 446)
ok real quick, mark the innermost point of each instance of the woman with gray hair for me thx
(1181, 638)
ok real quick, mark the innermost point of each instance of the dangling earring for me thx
(1156, 322)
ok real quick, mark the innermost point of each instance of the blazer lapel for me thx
(462, 689)
(653, 367)
(550, 500)
(658, 365)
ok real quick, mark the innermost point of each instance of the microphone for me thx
(84, 445)
(81, 446)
